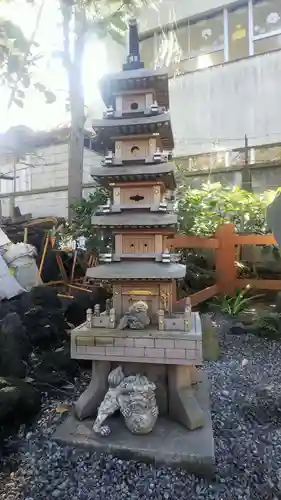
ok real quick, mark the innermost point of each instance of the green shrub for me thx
(233, 306)
(201, 211)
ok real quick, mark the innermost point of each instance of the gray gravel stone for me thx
(246, 411)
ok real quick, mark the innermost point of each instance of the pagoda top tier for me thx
(134, 76)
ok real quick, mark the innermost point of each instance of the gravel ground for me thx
(247, 427)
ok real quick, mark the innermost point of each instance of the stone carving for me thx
(134, 396)
(136, 318)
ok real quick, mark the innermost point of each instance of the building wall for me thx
(42, 182)
(217, 106)
(171, 11)
(240, 41)
(263, 178)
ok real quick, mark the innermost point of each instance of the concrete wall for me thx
(171, 11)
(47, 179)
(262, 178)
(221, 104)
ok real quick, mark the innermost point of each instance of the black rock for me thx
(75, 312)
(54, 368)
(44, 296)
(19, 401)
(45, 328)
(14, 346)
(238, 330)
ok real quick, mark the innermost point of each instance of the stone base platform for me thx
(169, 444)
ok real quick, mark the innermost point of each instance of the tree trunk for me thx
(76, 94)
(73, 61)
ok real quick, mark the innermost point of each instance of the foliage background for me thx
(201, 211)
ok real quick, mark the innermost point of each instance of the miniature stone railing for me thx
(100, 320)
(157, 157)
(153, 109)
(165, 257)
(177, 323)
(163, 206)
(180, 323)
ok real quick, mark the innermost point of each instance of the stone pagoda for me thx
(135, 136)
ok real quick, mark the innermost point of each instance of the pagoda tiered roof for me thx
(134, 219)
(136, 270)
(108, 129)
(139, 79)
(159, 171)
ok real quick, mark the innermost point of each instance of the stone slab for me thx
(169, 444)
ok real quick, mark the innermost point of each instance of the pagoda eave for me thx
(140, 79)
(121, 271)
(107, 129)
(135, 220)
(164, 171)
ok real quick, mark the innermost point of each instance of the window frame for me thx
(262, 36)
(229, 10)
(224, 48)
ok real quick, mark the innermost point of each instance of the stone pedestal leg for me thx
(92, 397)
(183, 404)
(195, 375)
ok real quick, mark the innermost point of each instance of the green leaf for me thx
(117, 22)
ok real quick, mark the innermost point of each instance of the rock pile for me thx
(35, 349)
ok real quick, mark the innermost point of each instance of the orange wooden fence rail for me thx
(225, 243)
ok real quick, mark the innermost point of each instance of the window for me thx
(169, 51)
(238, 33)
(266, 25)
(267, 44)
(197, 45)
(248, 28)
(266, 17)
(207, 36)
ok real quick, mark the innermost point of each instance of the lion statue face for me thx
(139, 306)
(139, 410)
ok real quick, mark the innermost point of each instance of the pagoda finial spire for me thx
(133, 58)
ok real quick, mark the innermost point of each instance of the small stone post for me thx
(97, 310)
(161, 320)
(89, 315)
(112, 318)
(187, 314)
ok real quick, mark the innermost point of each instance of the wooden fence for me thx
(225, 243)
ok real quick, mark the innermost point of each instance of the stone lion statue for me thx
(136, 317)
(134, 396)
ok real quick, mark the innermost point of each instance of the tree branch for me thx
(26, 54)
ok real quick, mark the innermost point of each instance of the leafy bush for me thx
(201, 211)
(81, 224)
(233, 306)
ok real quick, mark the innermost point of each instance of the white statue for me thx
(134, 396)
